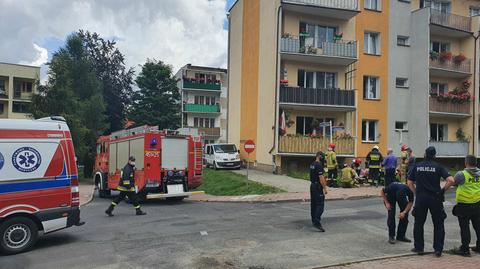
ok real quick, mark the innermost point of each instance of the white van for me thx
(220, 156)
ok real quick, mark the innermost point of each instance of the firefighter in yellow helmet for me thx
(332, 165)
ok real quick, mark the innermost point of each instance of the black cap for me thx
(430, 151)
(131, 158)
(319, 154)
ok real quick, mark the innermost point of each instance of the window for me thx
(403, 40)
(372, 4)
(474, 11)
(203, 122)
(438, 88)
(1, 109)
(401, 82)
(401, 125)
(3, 90)
(438, 46)
(438, 132)
(304, 125)
(371, 87)
(19, 107)
(28, 87)
(443, 6)
(319, 80)
(372, 43)
(369, 131)
(315, 35)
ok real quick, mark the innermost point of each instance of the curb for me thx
(279, 200)
(367, 260)
(91, 197)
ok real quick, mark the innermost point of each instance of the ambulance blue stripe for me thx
(34, 185)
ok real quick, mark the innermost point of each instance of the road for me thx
(221, 235)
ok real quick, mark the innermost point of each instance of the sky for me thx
(174, 31)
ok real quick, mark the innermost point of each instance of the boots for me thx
(109, 210)
(140, 212)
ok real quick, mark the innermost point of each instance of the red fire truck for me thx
(168, 165)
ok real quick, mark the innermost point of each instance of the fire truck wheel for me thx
(104, 193)
(18, 234)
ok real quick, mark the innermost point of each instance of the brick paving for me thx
(417, 262)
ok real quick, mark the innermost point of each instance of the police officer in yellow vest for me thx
(332, 165)
(126, 186)
(374, 163)
(468, 203)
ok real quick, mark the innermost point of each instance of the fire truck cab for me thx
(168, 165)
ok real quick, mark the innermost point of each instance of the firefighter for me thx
(126, 187)
(403, 163)
(374, 163)
(397, 193)
(424, 181)
(467, 208)
(318, 189)
(332, 165)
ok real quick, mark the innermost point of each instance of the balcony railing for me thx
(450, 148)
(451, 65)
(201, 108)
(449, 107)
(311, 96)
(450, 20)
(214, 86)
(307, 145)
(307, 46)
(340, 4)
(209, 131)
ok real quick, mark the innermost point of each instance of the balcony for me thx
(209, 131)
(449, 68)
(306, 145)
(332, 53)
(451, 25)
(196, 108)
(443, 109)
(450, 148)
(329, 99)
(197, 85)
(336, 9)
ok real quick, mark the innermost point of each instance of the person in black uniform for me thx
(399, 193)
(126, 187)
(318, 189)
(374, 163)
(424, 181)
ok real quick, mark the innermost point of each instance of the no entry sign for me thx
(249, 146)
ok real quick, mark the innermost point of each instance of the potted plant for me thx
(458, 59)
(284, 82)
(311, 50)
(434, 55)
(337, 37)
(445, 56)
(287, 35)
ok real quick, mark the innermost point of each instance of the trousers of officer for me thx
(132, 196)
(317, 203)
(467, 213)
(423, 203)
(403, 223)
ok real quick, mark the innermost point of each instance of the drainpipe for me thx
(475, 102)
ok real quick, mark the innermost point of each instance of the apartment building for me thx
(204, 101)
(356, 73)
(17, 85)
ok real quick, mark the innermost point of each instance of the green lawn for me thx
(228, 183)
(299, 175)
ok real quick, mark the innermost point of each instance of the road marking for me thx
(203, 233)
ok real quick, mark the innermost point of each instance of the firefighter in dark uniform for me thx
(374, 163)
(126, 187)
(424, 181)
(397, 193)
(318, 189)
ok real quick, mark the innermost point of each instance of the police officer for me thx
(126, 187)
(374, 162)
(318, 189)
(397, 193)
(468, 203)
(424, 181)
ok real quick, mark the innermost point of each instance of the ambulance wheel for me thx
(18, 234)
(104, 193)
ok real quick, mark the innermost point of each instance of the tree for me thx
(116, 79)
(158, 100)
(74, 92)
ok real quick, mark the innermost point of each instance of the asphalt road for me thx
(221, 235)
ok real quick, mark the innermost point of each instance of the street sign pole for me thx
(249, 147)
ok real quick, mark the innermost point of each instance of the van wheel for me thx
(18, 234)
(175, 199)
(104, 193)
(215, 166)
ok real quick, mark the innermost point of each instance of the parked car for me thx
(220, 156)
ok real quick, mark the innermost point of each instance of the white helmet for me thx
(376, 147)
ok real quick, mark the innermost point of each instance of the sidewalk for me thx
(86, 193)
(417, 262)
(283, 182)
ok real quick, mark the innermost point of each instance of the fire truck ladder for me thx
(197, 156)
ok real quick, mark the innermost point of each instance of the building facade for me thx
(204, 101)
(17, 85)
(356, 73)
